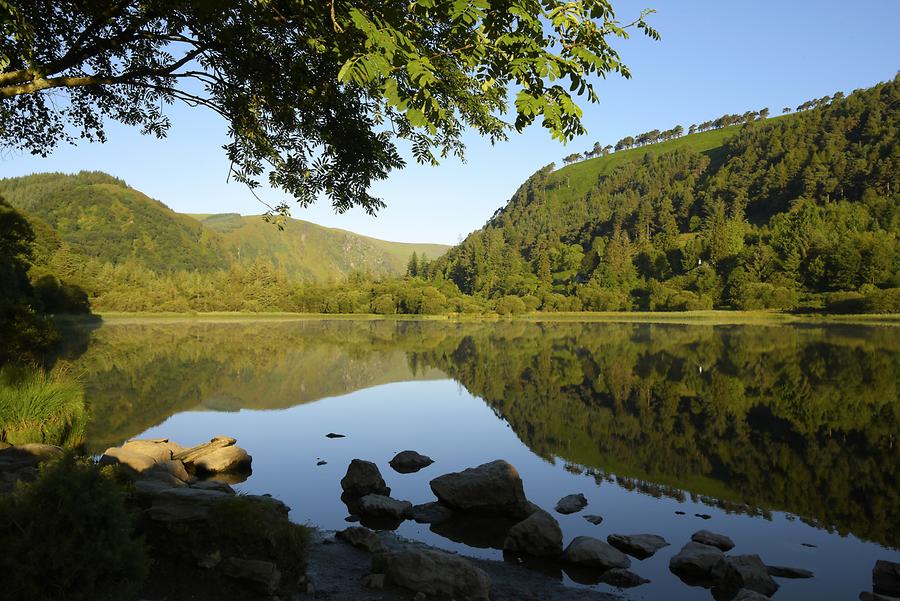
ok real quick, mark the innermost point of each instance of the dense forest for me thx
(799, 211)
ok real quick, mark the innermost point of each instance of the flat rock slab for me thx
(434, 573)
(641, 546)
(408, 462)
(589, 552)
(383, 506)
(431, 513)
(719, 541)
(571, 504)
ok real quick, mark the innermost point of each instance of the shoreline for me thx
(712, 317)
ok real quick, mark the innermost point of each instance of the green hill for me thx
(308, 251)
(101, 220)
(790, 212)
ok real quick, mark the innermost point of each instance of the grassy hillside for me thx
(308, 251)
(101, 219)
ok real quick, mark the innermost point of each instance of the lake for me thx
(784, 435)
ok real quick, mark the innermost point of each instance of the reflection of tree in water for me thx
(780, 418)
(752, 418)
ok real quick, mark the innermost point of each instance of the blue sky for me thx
(716, 57)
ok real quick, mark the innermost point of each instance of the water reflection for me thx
(722, 420)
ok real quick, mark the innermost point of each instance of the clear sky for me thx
(716, 57)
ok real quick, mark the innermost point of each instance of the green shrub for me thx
(384, 305)
(41, 406)
(509, 305)
(883, 301)
(761, 295)
(67, 536)
(845, 302)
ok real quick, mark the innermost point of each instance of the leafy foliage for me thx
(315, 94)
(67, 536)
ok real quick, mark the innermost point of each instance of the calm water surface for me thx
(784, 435)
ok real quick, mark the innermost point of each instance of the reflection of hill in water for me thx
(793, 418)
(137, 375)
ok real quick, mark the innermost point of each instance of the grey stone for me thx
(748, 595)
(159, 449)
(748, 572)
(188, 456)
(590, 552)
(172, 467)
(263, 574)
(696, 561)
(886, 578)
(571, 504)
(374, 581)
(213, 485)
(132, 461)
(380, 505)
(431, 513)
(594, 519)
(225, 459)
(407, 462)
(641, 546)
(719, 541)
(788, 572)
(363, 478)
(434, 573)
(361, 538)
(538, 535)
(493, 487)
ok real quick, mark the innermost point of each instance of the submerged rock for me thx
(788, 572)
(363, 478)
(590, 552)
(641, 546)
(571, 504)
(622, 578)
(886, 578)
(431, 513)
(333, 435)
(433, 573)
(493, 487)
(538, 535)
(719, 541)
(407, 462)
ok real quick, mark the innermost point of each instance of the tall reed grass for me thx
(38, 405)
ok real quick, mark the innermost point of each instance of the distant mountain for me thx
(102, 219)
(309, 251)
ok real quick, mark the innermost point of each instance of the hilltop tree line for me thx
(655, 136)
(795, 213)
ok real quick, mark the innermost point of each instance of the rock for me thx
(213, 485)
(382, 506)
(183, 504)
(622, 578)
(719, 541)
(374, 581)
(433, 573)
(354, 518)
(680, 513)
(16, 457)
(171, 467)
(210, 560)
(493, 487)
(363, 478)
(321, 462)
(696, 562)
(361, 538)
(748, 572)
(788, 572)
(224, 459)
(571, 504)
(641, 546)
(431, 513)
(538, 535)
(333, 435)
(159, 448)
(133, 461)
(263, 574)
(590, 552)
(810, 545)
(407, 462)
(748, 595)
(703, 516)
(886, 578)
(188, 456)
(594, 519)
(867, 596)
(145, 487)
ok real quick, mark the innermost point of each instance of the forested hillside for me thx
(797, 211)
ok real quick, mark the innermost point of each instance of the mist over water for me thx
(783, 434)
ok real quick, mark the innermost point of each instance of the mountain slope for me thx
(102, 220)
(779, 213)
(308, 251)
